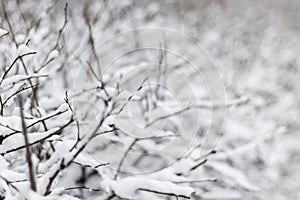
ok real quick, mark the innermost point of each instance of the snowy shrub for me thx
(94, 107)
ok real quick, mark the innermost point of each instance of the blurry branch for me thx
(203, 105)
(2, 108)
(137, 160)
(146, 99)
(60, 32)
(168, 115)
(131, 96)
(159, 137)
(123, 157)
(59, 36)
(210, 152)
(84, 90)
(87, 20)
(160, 73)
(45, 64)
(8, 23)
(28, 151)
(22, 16)
(102, 85)
(197, 181)
(164, 193)
(50, 8)
(111, 196)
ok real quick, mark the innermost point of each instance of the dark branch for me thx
(28, 151)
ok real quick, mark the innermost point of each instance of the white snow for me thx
(3, 32)
(258, 68)
(12, 175)
(24, 49)
(54, 54)
(17, 140)
(17, 78)
(3, 164)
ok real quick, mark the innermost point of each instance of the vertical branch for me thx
(60, 32)
(28, 152)
(91, 38)
(159, 75)
(1, 104)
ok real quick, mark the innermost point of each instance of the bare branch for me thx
(131, 96)
(8, 22)
(197, 181)
(13, 63)
(83, 187)
(202, 105)
(91, 38)
(60, 32)
(164, 193)
(123, 158)
(27, 146)
(198, 165)
(17, 92)
(42, 139)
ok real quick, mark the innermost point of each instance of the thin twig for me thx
(123, 158)
(87, 20)
(28, 151)
(83, 187)
(34, 123)
(197, 181)
(97, 166)
(159, 75)
(17, 92)
(164, 193)
(202, 105)
(198, 165)
(64, 165)
(13, 63)
(8, 22)
(60, 32)
(40, 140)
